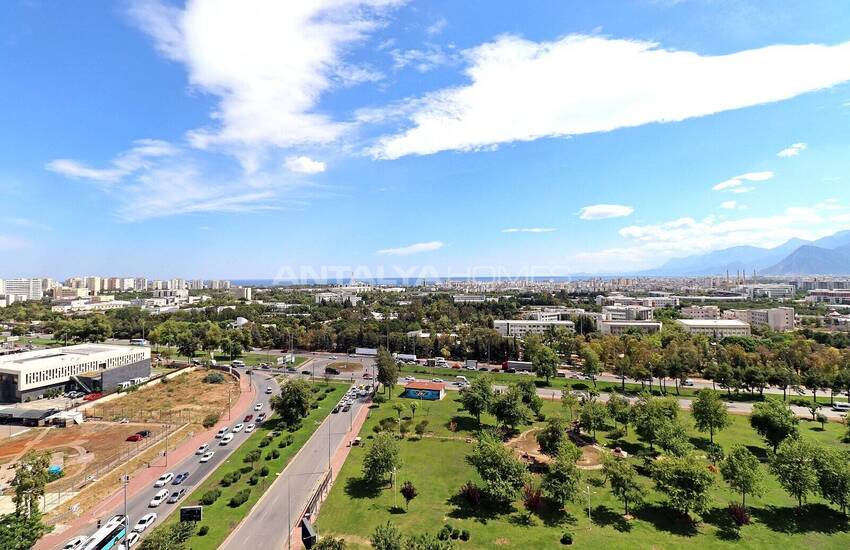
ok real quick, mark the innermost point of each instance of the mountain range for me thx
(826, 256)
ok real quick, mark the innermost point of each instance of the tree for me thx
(330, 543)
(502, 473)
(387, 369)
(593, 416)
(413, 405)
(382, 459)
(741, 470)
(651, 414)
(187, 344)
(774, 421)
(794, 465)
(477, 398)
(591, 366)
(387, 537)
(569, 402)
(620, 411)
(545, 362)
(528, 392)
(710, 414)
(561, 481)
(171, 537)
(624, 481)
(672, 437)
(686, 483)
(408, 491)
(509, 409)
(833, 472)
(293, 402)
(30, 478)
(19, 532)
(553, 435)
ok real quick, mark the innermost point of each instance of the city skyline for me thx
(168, 140)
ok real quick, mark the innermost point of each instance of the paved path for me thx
(140, 491)
(284, 501)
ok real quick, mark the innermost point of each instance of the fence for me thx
(318, 494)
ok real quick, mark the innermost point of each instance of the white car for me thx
(332, 357)
(249, 428)
(131, 540)
(409, 379)
(268, 389)
(207, 456)
(226, 439)
(438, 380)
(237, 428)
(158, 498)
(258, 406)
(75, 543)
(202, 449)
(221, 432)
(145, 522)
(164, 479)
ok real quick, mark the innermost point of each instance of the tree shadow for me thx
(554, 516)
(727, 529)
(633, 448)
(397, 510)
(463, 423)
(666, 519)
(358, 487)
(605, 516)
(701, 443)
(760, 452)
(482, 513)
(817, 518)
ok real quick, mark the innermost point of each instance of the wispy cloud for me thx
(520, 90)
(128, 162)
(736, 184)
(792, 151)
(423, 60)
(528, 230)
(411, 249)
(436, 27)
(605, 211)
(304, 165)
(729, 205)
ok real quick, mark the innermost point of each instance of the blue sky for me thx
(271, 139)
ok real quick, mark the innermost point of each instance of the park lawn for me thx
(632, 388)
(436, 465)
(219, 517)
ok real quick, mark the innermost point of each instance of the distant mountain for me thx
(826, 256)
(814, 260)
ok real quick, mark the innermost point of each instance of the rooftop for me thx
(719, 323)
(435, 386)
(41, 357)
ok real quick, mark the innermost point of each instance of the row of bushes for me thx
(448, 532)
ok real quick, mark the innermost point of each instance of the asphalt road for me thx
(137, 505)
(265, 525)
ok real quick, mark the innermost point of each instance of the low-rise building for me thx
(647, 301)
(626, 313)
(774, 291)
(780, 319)
(716, 329)
(617, 328)
(838, 296)
(553, 313)
(518, 328)
(701, 312)
(337, 298)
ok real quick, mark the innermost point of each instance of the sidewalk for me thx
(142, 478)
(337, 461)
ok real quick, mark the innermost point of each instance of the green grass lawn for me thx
(632, 388)
(437, 467)
(219, 517)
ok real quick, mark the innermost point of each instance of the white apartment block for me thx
(520, 327)
(21, 290)
(469, 298)
(241, 293)
(336, 298)
(772, 291)
(626, 313)
(217, 284)
(648, 301)
(701, 312)
(553, 313)
(825, 296)
(617, 328)
(716, 329)
(94, 284)
(780, 319)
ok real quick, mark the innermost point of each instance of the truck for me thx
(517, 366)
(436, 362)
(405, 357)
(471, 364)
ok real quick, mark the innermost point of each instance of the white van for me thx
(237, 363)
(841, 406)
(221, 432)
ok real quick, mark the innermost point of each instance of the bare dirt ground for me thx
(526, 448)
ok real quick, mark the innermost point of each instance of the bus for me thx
(109, 536)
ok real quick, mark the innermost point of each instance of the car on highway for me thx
(158, 498)
(130, 541)
(333, 357)
(75, 543)
(92, 396)
(237, 363)
(367, 376)
(335, 410)
(221, 432)
(261, 417)
(248, 418)
(226, 439)
(258, 406)
(164, 479)
(305, 372)
(331, 370)
(176, 495)
(207, 456)
(202, 449)
(268, 390)
(237, 428)
(180, 478)
(346, 407)
(144, 522)
(249, 428)
(687, 382)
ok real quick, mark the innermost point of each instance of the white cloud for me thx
(521, 90)
(736, 183)
(792, 151)
(604, 211)
(528, 230)
(436, 27)
(422, 60)
(268, 65)
(304, 165)
(729, 205)
(411, 249)
(132, 160)
(11, 242)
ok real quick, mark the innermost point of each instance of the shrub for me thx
(230, 479)
(314, 405)
(203, 530)
(214, 378)
(320, 397)
(445, 532)
(532, 497)
(421, 427)
(379, 399)
(210, 496)
(328, 390)
(245, 469)
(464, 535)
(264, 471)
(254, 479)
(739, 514)
(567, 538)
(264, 442)
(471, 494)
(315, 389)
(210, 420)
(455, 533)
(240, 498)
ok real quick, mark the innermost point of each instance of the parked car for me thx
(367, 376)
(158, 498)
(92, 396)
(335, 410)
(144, 522)
(306, 372)
(134, 437)
(144, 433)
(346, 407)
(291, 369)
(202, 449)
(176, 495)
(409, 379)
(207, 456)
(180, 478)
(164, 479)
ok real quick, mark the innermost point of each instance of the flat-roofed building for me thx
(94, 367)
(717, 329)
(520, 327)
(780, 319)
(829, 296)
(626, 313)
(621, 327)
(701, 312)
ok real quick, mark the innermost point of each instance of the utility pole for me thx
(126, 517)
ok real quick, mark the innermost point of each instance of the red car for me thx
(367, 375)
(248, 418)
(93, 396)
(134, 437)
